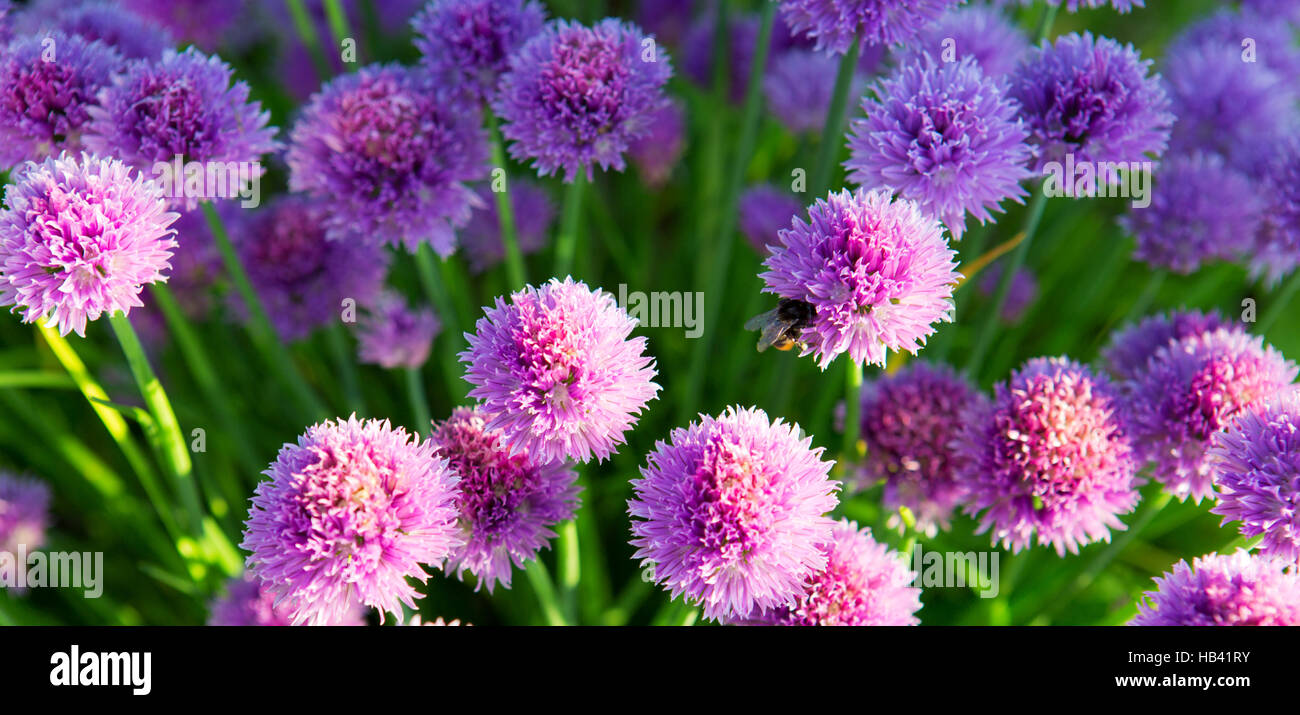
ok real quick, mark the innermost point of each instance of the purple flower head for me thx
(1120, 6)
(203, 22)
(248, 603)
(577, 96)
(391, 156)
(45, 99)
(798, 86)
(945, 136)
(1217, 590)
(6, 13)
(533, 214)
(1093, 98)
(864, 584)
(765, 210)
(732, 513)
(1190, 390)
(557, 373)
(657, 152)
(1273, 42)
(742, 38)
(1288, 10)
(196, 267)
(301, 276)
(349, 513)
(1024, 289)
(1131, 348)
(667, 20)
(836, 24)
(975, 31)
(392, 335)
(185, 104)
(1223, 103)
(469, 42)
(24, 513)
(878, 272)
(1201, 210)
(508, 502)
(1256, 468)
(80, 238)
(909, 420)
(133, 36)
(1047, 457)
(1275, 250)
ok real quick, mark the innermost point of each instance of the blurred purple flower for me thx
(24, 514)
(1132, 347)
(203, 22)
(1255, 465)
(133, 36)
(1024, 289)
(1217, 590)
(468, 43)
(1275, 250)
(666, 20)
(764, 211)
(247, 603)
(533, 214)
(657, 152)
(836, 24)
(798, 86)
(391, 335)
(969, 31)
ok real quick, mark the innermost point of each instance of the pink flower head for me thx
(248, 603)
(1217, 590)
(1256, 468)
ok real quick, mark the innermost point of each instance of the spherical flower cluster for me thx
(557, 372)
(133, 36)
(1092, 98)
(657, 152)
(878, 272)
(945, 136)
(203, 22)
(391, 335)
(1048, 458)
(533, 214)
(975, 31)
(1275, 251)
(1024, 289)
(24, 513)
(248, 603)
(864, 584)
(508, 502)
(1218, 590)
(1273, 42)
(1256, 468)
(468, 43)
(1132, 347)
(391, 156)
(45, 105)
(1201, 210)
(836, 24)
(576, 97)
(1190, 390)
(182, 105)
(300, 275)
(909, 420)
(763, 211)
(1287, 10)
(349, 512)
(731, 513)
(80, 238)
(798, 87)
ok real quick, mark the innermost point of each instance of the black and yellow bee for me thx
(783, 324)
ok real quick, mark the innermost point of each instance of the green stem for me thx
(419, 404)
(1045, 24)
(338, 22)
(833, 130)
(1278, 304)
(302, 22)
(259, 326)
(570, 563)
(714, 278)
(540, 577)
(35, 378)
(171, 444)
(566, 245)
(515, 268)
(347, 369)
(852, 411)
(984, 339)
(1147, 296)
(436, 289)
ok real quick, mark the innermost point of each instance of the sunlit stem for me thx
(516, 271)
(566, 245)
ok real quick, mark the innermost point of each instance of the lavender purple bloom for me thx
(657, 152)
(480, 239)
(391, 335)
(248, 603)
(468, 43)
(24, 513)
(764, 211)
(1024, 289)
(878, 272)
(731, 513)
(1217, 590)
(133, 36)
(836, 24)
(1255, 464)
(975, 31)
(1132, 347)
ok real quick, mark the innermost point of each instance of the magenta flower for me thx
(391, 156)
(24, 513)
(878, 272)
(576, 97)
(391, 335)
(468, 43)
(837, 24)
(1048, 457)
(349, 513)
(508, 503)
(1191, 390)
(248, 603)
(1217, 590)
(45, 105)
(732, 513)
(864, 583)
(187, 104)
(79, 239)
(1132, 347)
(945, 136)
(558, 374)
(909, 421)
(1256, 468)
(480, 239)
(1093, 98)
(764, 211)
